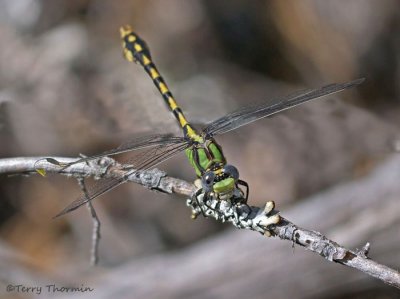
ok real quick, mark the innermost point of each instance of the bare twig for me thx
(249, 217)
(334, 252)
(94, 252)
(365, 250)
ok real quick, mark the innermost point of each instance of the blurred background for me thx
(330, 165)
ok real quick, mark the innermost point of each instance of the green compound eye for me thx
(231, 171)
(208, 181)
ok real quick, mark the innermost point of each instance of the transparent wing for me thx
(95, 191)
(143, 161)
(247, 115)
(134, 144)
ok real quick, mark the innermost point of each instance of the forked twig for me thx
(248, 217)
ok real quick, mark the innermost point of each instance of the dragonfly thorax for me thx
(210, 165)
(205, 155)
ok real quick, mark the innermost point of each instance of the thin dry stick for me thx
(158, 180)
(94, 252)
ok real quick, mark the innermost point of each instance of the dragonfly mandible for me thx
(218, 178)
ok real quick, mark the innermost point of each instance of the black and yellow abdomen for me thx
(136, 50)
(205, 155)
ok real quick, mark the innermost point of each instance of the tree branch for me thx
(241, 215)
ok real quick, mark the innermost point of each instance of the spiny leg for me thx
(206, 197)
(205, 201)
(194, 197)
(244, 184)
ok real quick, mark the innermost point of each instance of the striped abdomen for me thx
(136, 50)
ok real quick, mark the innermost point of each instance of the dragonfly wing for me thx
(136, 144)
(156, 155)
(247, 115)
(142, 162)
(93, 192)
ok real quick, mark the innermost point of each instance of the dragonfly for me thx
(215, 176)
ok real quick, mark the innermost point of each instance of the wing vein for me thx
(143, 162)
(247, 115)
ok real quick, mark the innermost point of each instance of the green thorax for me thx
(205, 155)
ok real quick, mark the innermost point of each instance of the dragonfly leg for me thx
(243, 183)
(215, 206)
(194, 197)
(205, 201)
(205, 206)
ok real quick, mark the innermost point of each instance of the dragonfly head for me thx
(222, 181)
